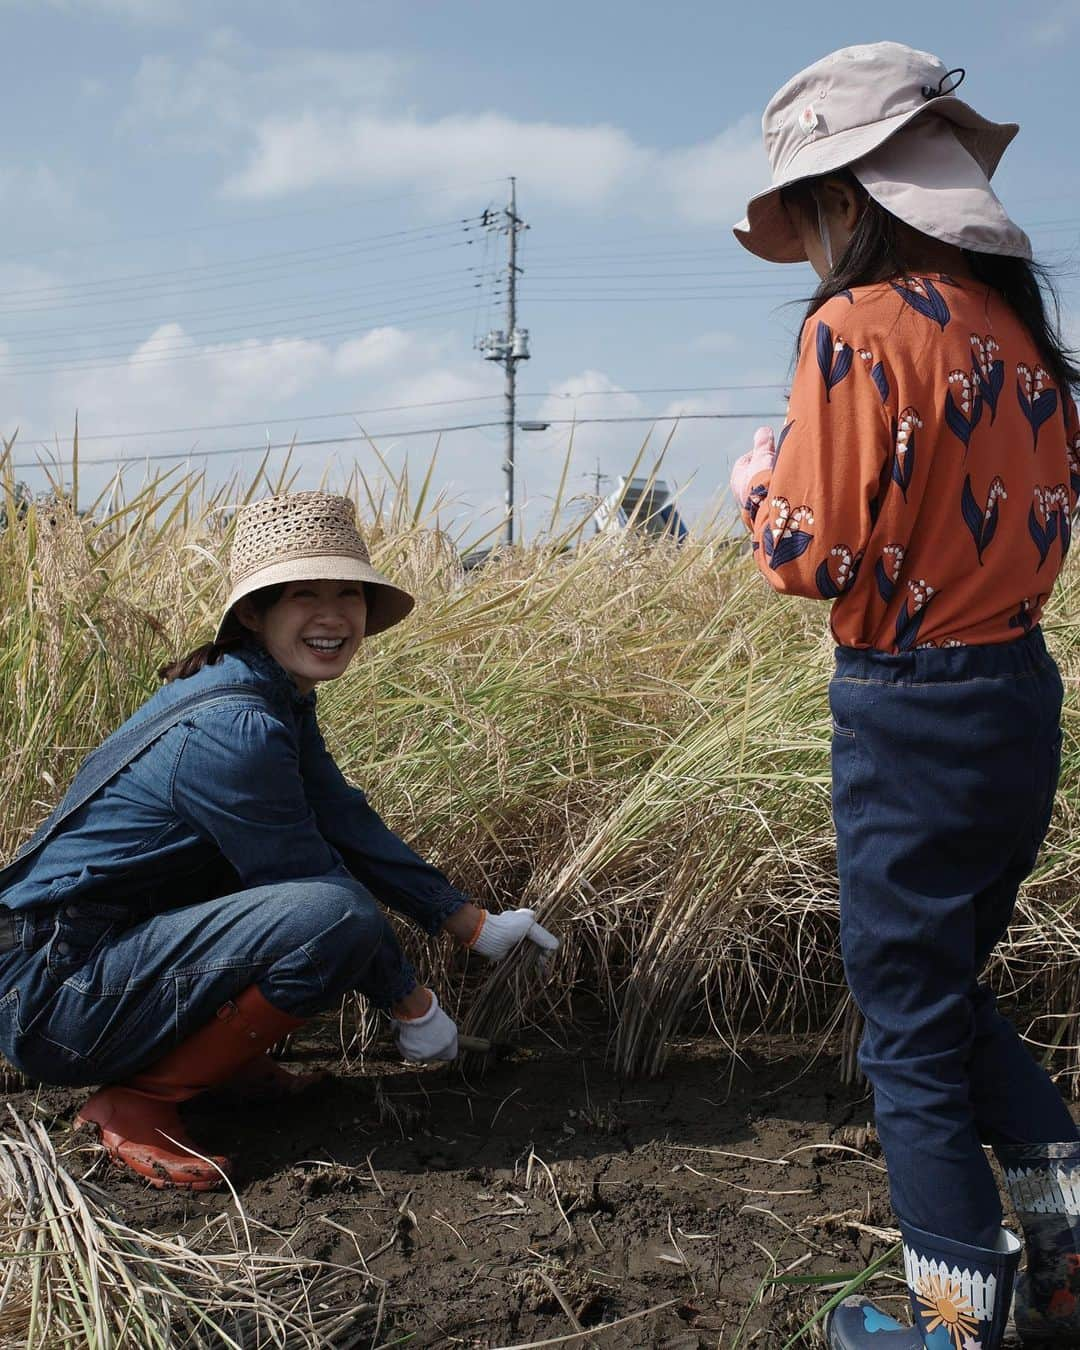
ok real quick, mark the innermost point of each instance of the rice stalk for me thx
(73, 1273)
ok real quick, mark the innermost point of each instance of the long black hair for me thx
(879, 249)
(210, 653)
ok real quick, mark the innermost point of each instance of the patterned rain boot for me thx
(1044, 1183)
(960, 1299)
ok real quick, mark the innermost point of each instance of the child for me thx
(209, 881)
(924, 484)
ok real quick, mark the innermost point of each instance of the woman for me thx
(924, 485)
(209, 882)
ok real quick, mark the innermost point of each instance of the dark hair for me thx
(879, 249)
(210, 653)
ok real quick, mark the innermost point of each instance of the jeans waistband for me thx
(1022, 657)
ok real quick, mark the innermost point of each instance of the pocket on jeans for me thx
(846, 797)
(10, 1026)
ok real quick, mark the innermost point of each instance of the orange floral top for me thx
(927, 473)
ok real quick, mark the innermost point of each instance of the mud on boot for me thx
(138, 1123)
(960, 1298)
(1044, 1183)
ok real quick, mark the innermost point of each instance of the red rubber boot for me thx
(138, 1123)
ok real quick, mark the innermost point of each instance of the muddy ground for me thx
(681, 1195)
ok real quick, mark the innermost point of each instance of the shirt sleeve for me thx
(811, 516)
(373, 853)
(1072, 440)
(237, 783)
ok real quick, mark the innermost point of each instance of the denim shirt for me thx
(233, 796)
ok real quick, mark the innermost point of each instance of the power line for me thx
(460, 291)
(327, 264)
(420, 281)
(399, 435)
(226, 349)
(247, 222)
(281, 421)
(231, 264)
(409, 407)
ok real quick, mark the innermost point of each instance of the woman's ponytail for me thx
(209, 654)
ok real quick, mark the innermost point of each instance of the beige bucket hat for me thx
(306, 536)
(842, 111)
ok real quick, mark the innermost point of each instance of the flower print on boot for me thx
(960, 1298)
(1044, 1183)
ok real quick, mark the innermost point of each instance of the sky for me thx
(232, 224)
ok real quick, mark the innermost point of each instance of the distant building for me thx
(646, 502)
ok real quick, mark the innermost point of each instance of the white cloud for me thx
(379, 348)
(294, 121)
(207, 103)
(580, 166)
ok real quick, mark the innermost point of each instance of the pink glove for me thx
(756, 461)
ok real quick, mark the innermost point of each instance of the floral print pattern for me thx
(982, 521)
(963, 405)
(1037, 396)
(988, 373)
(924, 298)
(785, 539)
(833, 356)
(904, 454)
(957, 492)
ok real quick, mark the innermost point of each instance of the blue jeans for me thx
(92, 997)
(945, 764)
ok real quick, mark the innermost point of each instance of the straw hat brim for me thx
(387, 604)
(767, 230)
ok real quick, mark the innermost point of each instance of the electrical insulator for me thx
(519, 349)
(493, 345)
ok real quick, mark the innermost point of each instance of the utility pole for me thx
(510, 346)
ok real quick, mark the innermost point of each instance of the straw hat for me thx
(842, 109)
(306, 536)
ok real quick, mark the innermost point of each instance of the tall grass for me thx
(631, 736)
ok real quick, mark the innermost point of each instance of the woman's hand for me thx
(499, 934)
(431, 1035)
(756, 461)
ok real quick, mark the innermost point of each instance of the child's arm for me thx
(811, 514)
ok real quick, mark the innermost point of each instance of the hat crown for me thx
(850, 88)
(295, 525)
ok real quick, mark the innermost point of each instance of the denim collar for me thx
(258, 659)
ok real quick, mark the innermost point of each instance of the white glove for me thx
(500, 933)
(432, 1036)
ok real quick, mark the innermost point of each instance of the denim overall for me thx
(945, 764)
(98, 982)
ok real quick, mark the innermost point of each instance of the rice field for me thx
(631, 736)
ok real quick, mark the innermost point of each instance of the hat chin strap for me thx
(823, 232)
